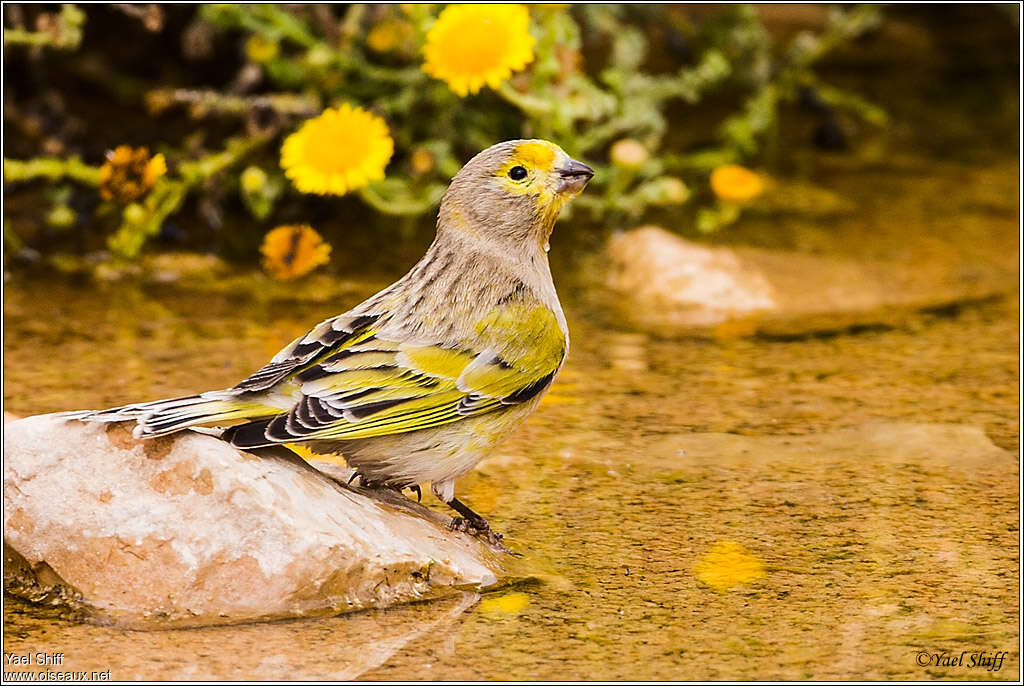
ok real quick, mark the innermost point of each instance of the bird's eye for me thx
(517, 173)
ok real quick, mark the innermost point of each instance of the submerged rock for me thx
(671, 282)
(186, 530)
(666, 285)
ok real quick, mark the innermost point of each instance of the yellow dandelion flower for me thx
(340, 151)
(129, 173)
(470, 46)
(292, 251)
(735, 183)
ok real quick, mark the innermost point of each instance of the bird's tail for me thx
(162, 417)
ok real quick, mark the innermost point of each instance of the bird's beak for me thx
(573, 177)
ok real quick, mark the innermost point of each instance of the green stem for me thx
(12, 240)
(357, 64)
(401, 206)
(287, 23)
(269, 21)
(350, 24)
(22, 37)
(193, 173)
(51, 168)
(66, 33)
(527, 103)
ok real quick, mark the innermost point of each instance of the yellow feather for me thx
(437, 361)
(537, 154)
(357, 380)
(361, 360)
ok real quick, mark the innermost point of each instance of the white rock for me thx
(187, 530)
(663, 284)
(673, 282)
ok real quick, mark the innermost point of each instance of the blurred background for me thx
(801, 244)
(656, 98)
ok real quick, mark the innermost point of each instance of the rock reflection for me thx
(335, 648)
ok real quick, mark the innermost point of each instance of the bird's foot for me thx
(472, 525)
(479, 527)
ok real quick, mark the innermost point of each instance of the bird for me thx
(419, 382)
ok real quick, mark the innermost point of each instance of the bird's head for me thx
(513, 191)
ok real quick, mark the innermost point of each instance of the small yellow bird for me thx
(420, 381)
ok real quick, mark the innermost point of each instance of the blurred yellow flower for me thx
(61, 217)
(158, 100)
(389, 35)
(507, 604)
(669, 190)
(422, 161)
(629, 154)
(253, 179)
(735, 183)
(292, 251)
(134, 214)
(129, 173)
(259, 49)
(341, 150)
(726, 565)
(470, 46)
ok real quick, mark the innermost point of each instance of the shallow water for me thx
(821, 507)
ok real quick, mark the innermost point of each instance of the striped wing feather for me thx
(359, 384)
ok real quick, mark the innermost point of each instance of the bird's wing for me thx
(326, 338)
(373, 386)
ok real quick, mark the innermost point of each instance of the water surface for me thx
(821, 507)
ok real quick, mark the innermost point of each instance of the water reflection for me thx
(331, 649)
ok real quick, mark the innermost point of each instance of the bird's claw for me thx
(480, 528)
(469, 527)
